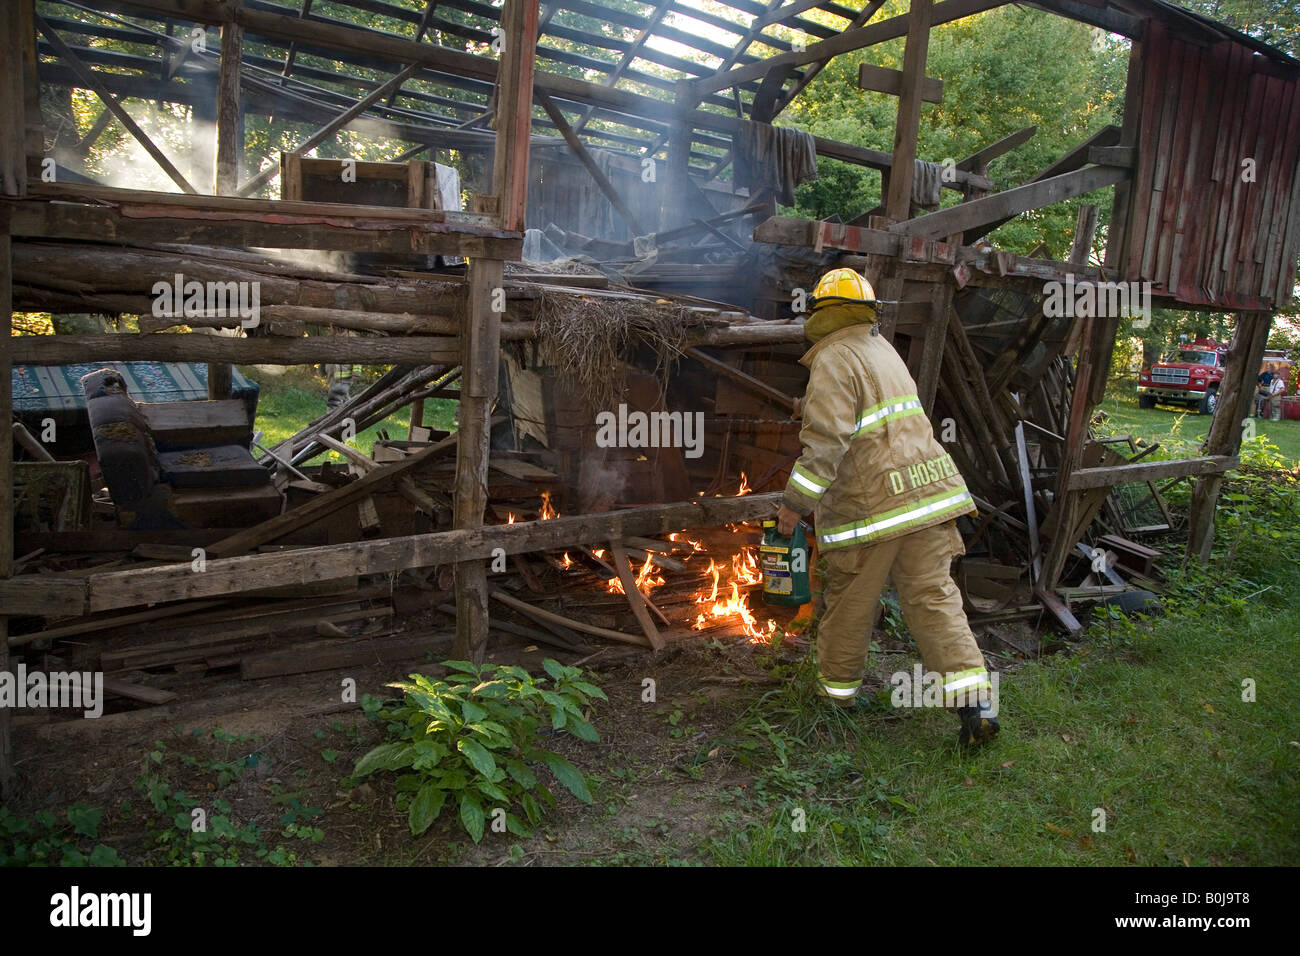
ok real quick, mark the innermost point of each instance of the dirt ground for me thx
(660, 773)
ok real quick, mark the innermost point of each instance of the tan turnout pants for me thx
(920, 564)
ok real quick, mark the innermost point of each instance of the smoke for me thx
(187, 141)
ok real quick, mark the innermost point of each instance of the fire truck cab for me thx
(1189, 375)
(1193, 373)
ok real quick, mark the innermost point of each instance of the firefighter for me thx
(886, 497)
(340, 385)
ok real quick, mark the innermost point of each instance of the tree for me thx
(1002, 70)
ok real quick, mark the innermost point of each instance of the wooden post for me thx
(6, 476)
(480, 346)
(898, 201)
(514, 110)
(417, 419)
(13, 160)
(1235, 395)
(225, 177)
(1064, 502)
(481, 337)
(673, 198)
(17, 73)
(226, 173)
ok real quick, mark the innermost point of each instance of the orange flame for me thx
(744, 488)
(744, 570)
(695, 545)
(566, 562)
(547, 512)
(510, 518)
(646, 580)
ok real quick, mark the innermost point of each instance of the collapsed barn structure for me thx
(601, 279)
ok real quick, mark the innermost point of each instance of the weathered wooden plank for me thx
(13, 159)
(881, 80)
(325, 504)
(635, 599)
(1071, 161)
(382, 650)
(1111, 475)
(1006, 144)
(846, 42)
(193, 347)
(118, 589)
(1011, 202)
(149, 695)
(215, 225)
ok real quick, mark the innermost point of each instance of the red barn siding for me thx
(1195, 230)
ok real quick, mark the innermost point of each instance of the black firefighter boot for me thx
(978, 725)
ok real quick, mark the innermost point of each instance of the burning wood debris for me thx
(688, 586)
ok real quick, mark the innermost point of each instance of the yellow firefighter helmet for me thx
(842, 286)
(842, 298)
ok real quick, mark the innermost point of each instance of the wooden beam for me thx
(748, 381)
(1074, 159)
(1102, 16)
(882, 80)
(1008, 204)
(481, 338)
(196, 347)
(1125, 156)
(543, 615)
(845, 42)
(992, 151)
(930, 340)
(91, 81)
(777, 74)
(140, 218)
(275, 528)
(106, 590)
(579, 150)
(898, 196)
(923, 259)
(1108, 476)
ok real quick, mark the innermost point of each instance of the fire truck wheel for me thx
(1209, 403)
(1146, 401)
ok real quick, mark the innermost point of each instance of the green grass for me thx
(1181, 429)
(1147, 724)
(292, 398)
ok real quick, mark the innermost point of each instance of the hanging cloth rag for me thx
(774, 156)
(927, 179)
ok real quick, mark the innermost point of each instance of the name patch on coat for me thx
(921, 474)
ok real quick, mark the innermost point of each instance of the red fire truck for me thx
(1192, 374)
